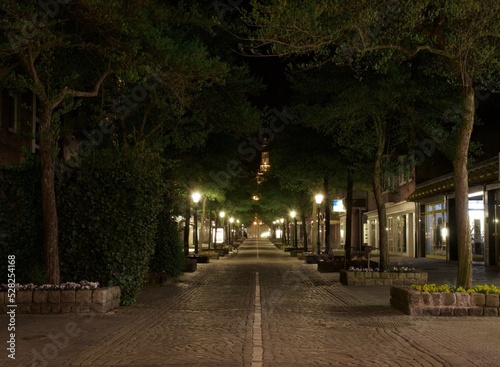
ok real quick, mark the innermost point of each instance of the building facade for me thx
(18, 126)
(435, 200)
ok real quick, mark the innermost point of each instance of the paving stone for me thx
(207, 319)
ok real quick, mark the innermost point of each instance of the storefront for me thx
(436, 236)
(436, 229)
(400, 228)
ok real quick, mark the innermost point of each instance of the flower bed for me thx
(445, 302)
(83, 297)
(370, 276)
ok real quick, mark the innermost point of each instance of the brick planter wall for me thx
(417, 303)
(100, 300)
(356, 278)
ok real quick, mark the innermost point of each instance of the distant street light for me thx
(196, 199)
(293, 214)
(319, 200)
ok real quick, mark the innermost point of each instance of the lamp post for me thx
(319, 200)
(196, 199)
(293, 214)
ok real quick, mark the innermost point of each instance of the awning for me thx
(479, 174)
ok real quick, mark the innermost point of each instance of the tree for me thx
(462, 37)
(142, 60)
(48, 52)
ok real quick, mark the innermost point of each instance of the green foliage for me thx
(445, 288)
(169, 254)
(21, 222)
(108, 212)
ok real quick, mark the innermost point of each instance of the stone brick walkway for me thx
(259, 307)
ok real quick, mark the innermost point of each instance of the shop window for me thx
(373, 233)
(10, 111)
(401, 233)
(476, 220)
(497, 226)
(435, 229)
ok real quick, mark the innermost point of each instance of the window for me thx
(435, 229)
(10, 111)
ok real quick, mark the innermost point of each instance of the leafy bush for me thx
(445, 288)
(21, 221)
(108, 212)
(169, 254)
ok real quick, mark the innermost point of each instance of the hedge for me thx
(108, 217)
(21, 222)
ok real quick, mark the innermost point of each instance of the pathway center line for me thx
(257, 349)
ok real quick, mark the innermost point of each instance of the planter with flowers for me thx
(373, 276)
(329, 263)
(444, 300)
(83, 297)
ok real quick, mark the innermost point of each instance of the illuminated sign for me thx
(338, 205)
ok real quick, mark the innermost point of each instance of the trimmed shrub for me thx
(169, 254)
(109, 211)
(21, 221)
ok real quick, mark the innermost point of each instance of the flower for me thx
(445, 288)
(84, 284)
(403, 269)
(352, 268)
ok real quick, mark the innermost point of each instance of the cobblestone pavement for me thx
(260, 307)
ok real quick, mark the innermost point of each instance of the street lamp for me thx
(196, 199)
(293, 214)
(319, 200)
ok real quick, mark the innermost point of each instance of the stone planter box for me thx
(330, 266)
(200, 259)
(311, 259)
(356, 278)
(99, 300)
(191, 265)
(211, 255)
(295, 252)
(417, 303)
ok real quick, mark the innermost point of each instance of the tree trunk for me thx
(348, 213)
(327, 215)
(216, 226)
(460, 176)
(377, 192)
(304, 230)
(50, 224)
(202, 223)
(210, 229)
(314, 228)
(187, 219)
